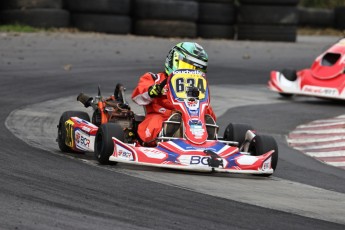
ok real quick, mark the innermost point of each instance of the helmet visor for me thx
(196, 63)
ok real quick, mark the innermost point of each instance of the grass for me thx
(320, 31)
(18, 28)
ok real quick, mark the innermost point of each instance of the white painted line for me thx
(326, 154)
(327, 121)
(325, 131)
(336, 164)
(320, 125)
(335, 145)
(313, 140)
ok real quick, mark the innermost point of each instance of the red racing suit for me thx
(157, 109)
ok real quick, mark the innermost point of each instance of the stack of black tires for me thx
(339, 15)
(216, 19)
(316, 18)
(106, 16)
(268, 20)
(36, 13)
(166, 18)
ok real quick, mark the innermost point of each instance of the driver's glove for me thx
(155, 90)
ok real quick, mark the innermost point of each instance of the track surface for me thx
(41, 190)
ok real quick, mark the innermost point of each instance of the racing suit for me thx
(158, 109)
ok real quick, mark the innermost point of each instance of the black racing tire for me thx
(261, 144)
(104, 23)
(286, 95)
(61, 137)
(31, 4)
(290, 74)
(166, 10)
(104, 145)
(216, 31)
(267, 15)
(216, 13)
(119, 7)
(165, 28)
(45, 18)
(236, 132)
(270, 2)
(339, 14)
(286, 33)
(314, 17)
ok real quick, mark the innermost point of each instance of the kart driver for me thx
(151, 92)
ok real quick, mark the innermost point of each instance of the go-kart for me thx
(76, 132)
(325, 78)
(188, 139)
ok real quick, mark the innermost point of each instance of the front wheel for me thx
(62, 132)
(104, 145)
(236, 132)
(261, 144)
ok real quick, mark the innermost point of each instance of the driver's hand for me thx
(155, 90)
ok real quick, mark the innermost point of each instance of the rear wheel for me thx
(236, 132)
(104, 145)
(261, 144)
(61, 138)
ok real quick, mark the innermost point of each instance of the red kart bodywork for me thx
(194, 151)
(80, 135)
(325, 78)
(181, 154)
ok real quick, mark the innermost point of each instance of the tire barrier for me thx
(36, 13)
(105, 16)
(270, 2)
(165, 28)
(153, 18)
(339, 14)
(104, 23)
(313, 17)
(118, 7)
(216, 19)
(30, 4)
(267, 20)
(43, 18)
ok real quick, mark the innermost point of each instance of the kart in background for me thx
(76, 132)
(188, 139)
(325, 78)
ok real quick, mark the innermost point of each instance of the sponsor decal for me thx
(82, 140)
(162, 110)
(198, 160)
(193, 160)
(320, 90)
(187, 71)
(147, 132)
(192, 104)
(69, 124)
(196, 128)
(124, 153)
(153, 153)
(267, 164)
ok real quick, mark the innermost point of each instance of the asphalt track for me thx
(40, 188)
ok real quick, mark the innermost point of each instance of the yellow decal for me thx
(186, 78)
(69, 133)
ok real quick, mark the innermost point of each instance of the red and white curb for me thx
(321, 139)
